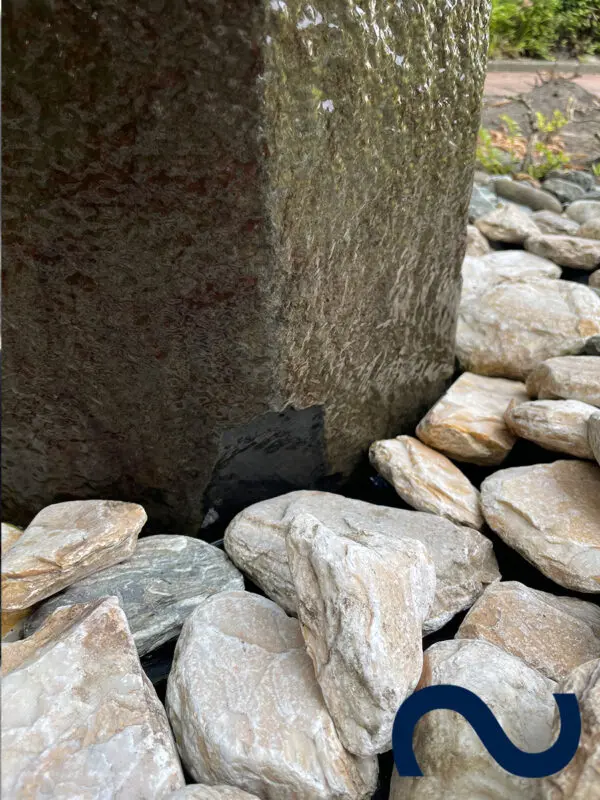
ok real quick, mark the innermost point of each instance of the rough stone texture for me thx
(468, 424)
(559, 425)
(362, 601)
(527, 195)
(550, 514)
(594, 435)
(455, 763)
(509, 328)
(79, 716)
(13, 622)
(198, 791)
(551, 634)
(501, 266)
(66, 542)
(464, 559)
(586, 180)
(594, 279)
(247, 711)
(205, 193)
(590, 229)
(507, 224)
(483, 200)
(158, 587)
(566, 191)
(583, 210)
(550, 222)
(427, 480)
(568, 251)
(569, 378)
(477, 244)
(10, 534)
(579, 779)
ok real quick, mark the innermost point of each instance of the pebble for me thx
(590, 229)
(522, 192)
(558, 425)
(568, 378)
(583, 210)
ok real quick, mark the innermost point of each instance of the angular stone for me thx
(550, 514)
(198, 791)
(509, 328)
(158, 587)
(477, 244)
(502, 266)
(579, 779)
(566, 191)
(569, 378)
(507, 224)
(455, 763)
(10, 534)
(583, 210)
(483, 200)
(551, 634)
(205, 195)
(522, 192)
(66, 542)
(362, 601)
(13, 622)
(580, 178)
(591, 346)
(549, 222)
(594, 435)
(594, 279)
(468, 424)
(79, 716)
(427, 480)
(247, 710)
(568, 251)
(590, 229)
(464, 559)
(559, 425)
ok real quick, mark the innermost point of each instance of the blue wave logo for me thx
(481, 718)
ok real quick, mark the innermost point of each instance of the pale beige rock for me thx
(550, 222)
(362, 601)
(552, 634)
(13, 622)
(508, 329)
(467, 423)
(198, 791)
(427, 480)
(507, 224)
(590, 229)
(579, 780)
(64, 543)
(247, 710)
(583, 210)
(477, 244)
(569, 378)
(568, 251)
(550, 514)
(504, 266)
(79, 717)
(594, 279)
(464, 559)
(10, 535)
(559, 425)
(454, 762)
(594, 435)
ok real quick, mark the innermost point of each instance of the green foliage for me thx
(596, 169)
(579, 26)
(491, 158)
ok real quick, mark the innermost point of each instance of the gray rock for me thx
(558, 425)
(549, 222)
(477, 244)
(594, 435)
(483, 200)
(566, 191)
(591, 347)
(247, 711)
(568, 251)
(523, 192)
(590, 229)
(583, 210)
(483, 178)
(362, 601)
(158, 587)
(507, 224)
(594, 195)
(594, 280)
(79, 716)
(580, 178)
(464, 559)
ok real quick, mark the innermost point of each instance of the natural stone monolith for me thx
(79, 716)
(552, 634)
(464, 559)
(246, 708)
(158, 587)
(559, 425)
(232, 242)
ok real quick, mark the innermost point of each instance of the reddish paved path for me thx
(505, 84)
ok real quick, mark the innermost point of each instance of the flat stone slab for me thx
(362, 601)
(246, 708)
(550, 514)
(552, 634)
(464, 559)
(567, 251)
(158, 587)
(66, 542)
(427, 480)
(454, 761)
(507, 224)
(559, 425)
(468, 423)
(567, 378)
(508, 329)
(80, 717)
